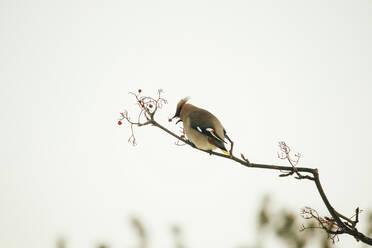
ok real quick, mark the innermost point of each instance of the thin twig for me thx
(336, 225)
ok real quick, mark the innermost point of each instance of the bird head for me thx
(179, 108)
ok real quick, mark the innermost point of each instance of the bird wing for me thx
(210, 132)
(205, 127)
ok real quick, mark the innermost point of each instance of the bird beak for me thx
(175, 117)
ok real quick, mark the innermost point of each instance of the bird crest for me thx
(180, 105)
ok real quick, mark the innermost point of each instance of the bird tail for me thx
(226, 152)
(219, 144)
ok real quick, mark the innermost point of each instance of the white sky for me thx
(298, 71)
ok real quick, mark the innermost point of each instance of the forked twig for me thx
(335, 225)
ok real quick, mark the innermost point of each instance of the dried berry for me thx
(150, 105)
(119, 123)
(139, 91)
(170, 119)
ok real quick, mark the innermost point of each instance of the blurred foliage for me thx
(102, 246)
(176, 232)
(283, 226)
(61, 243)
(369, 224)
(140, 230)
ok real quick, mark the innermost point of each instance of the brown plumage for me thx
(201, 127)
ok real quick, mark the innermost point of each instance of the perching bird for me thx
(201, 127)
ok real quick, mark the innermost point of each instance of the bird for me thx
(201, 127)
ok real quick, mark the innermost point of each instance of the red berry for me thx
(150, 105)
(139, 91)
(142, 105)
(182, 136)
(170, 119)
(119, 123)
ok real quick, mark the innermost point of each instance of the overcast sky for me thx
(298, 71)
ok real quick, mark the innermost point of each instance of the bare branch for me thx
(148, 107)
(334, 226)
(327, 224)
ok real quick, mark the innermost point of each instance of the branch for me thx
(336, 225)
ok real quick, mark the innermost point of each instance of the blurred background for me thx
(296, 71)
